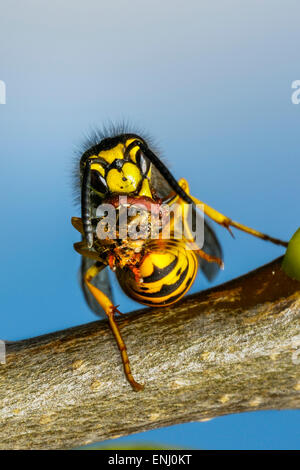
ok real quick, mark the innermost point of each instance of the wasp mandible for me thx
(122, 170)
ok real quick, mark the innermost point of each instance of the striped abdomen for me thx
(167, 271)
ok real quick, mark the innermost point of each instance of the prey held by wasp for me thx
(138, 220)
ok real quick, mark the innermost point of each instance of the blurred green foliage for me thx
(291, 260)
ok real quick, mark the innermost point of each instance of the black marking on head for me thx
(108, 144)
(104, 139)
(117, 164)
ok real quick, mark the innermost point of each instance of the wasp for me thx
(123, 170)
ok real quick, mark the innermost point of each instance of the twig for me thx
(229, 349)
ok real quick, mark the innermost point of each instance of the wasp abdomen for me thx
(166, 273)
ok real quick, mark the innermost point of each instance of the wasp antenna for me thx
(161, 167)
(86, 204)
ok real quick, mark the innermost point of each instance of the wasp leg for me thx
(210, 258)
(77, 223)
(226, 221)
(82, 249)
(110, 311)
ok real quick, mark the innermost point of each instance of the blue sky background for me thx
(211, 81)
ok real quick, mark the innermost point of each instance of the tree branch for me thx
(229, 349)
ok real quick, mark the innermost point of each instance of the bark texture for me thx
(229, 349)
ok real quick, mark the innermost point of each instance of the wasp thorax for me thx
(133, 218)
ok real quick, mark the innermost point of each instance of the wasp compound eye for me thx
(98, 182)
(143, 162)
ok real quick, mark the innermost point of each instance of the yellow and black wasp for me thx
(154, 272)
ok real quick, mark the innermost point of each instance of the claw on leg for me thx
(116, 310)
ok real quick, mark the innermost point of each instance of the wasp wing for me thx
(162, 187)
(101, 281)
(211, 246)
